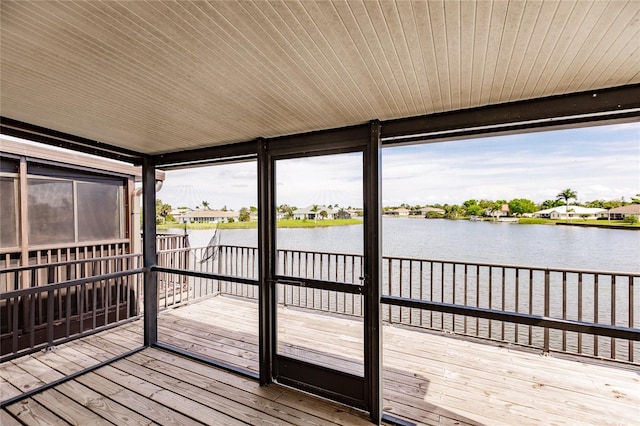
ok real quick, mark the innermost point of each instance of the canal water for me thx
(463, 241)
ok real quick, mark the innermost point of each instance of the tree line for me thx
(471, 207)
(517, 206)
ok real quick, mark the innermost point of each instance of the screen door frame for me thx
(361, 392)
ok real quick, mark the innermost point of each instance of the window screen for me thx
(51, 211)
(98, 211)
(8, 216)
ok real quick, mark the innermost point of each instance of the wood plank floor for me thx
(428, 378)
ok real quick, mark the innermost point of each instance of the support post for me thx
(149, 251)
(373, 282)
(266, 265)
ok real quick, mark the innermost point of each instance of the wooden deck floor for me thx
(428, 378)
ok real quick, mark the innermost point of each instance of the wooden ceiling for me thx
(156, 77)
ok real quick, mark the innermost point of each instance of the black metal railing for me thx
(603, 298)
(51, 303)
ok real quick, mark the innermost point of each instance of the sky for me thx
(598, 163)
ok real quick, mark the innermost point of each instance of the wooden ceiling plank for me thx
(350, 67)
(453, 28)
(523, 45)
(506, 48)
(535, 45)
(269, 53)
(494, 41)
(575, 53)
(366, 45)
(621, 66)
(399, 58)
(625, 27)
(438, 35)
(305, 54)
(557, 38)
(313, 19)
(164, 76)
(413, 52)
(468, 35)
(236, 68)
(73, 67)
(482, 20)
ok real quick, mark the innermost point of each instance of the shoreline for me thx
(607, 226)
(291, 223)
(283, 223)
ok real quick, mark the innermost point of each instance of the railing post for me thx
(547, 291)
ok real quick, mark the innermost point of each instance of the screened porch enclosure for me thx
(271, 341)
(163, 86)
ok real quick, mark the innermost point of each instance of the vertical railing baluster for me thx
(517, 302)
(530, 305)
(118, 282)
(595, 311)
(631, 322)
(421, 290)
(477, 298)
(580, 310)
(400, 270)
(613, 314)
(390, 267)
(221, 255)
(107, 300)
(410, 290)
(442, 293)
(466, 295)
(490, 302)
(50, 317)
(31, 322)
(15, 301)
(83, 289)
(94, 308)
(453, 295)
(67, 316)
(547, 286)
(564, 309)
(504, 284)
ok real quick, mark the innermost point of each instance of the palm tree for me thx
(315, 209)
(205, 204)
(567, 195)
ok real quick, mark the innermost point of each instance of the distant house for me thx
(425, 210)
(180, 211)
(208, 216)
(402, 212)
(502, 212)
(314, 214)
(619, 213)
(575, 212)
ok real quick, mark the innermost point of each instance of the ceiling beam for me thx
(597, 107)
(242, 151)
(51, 137)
